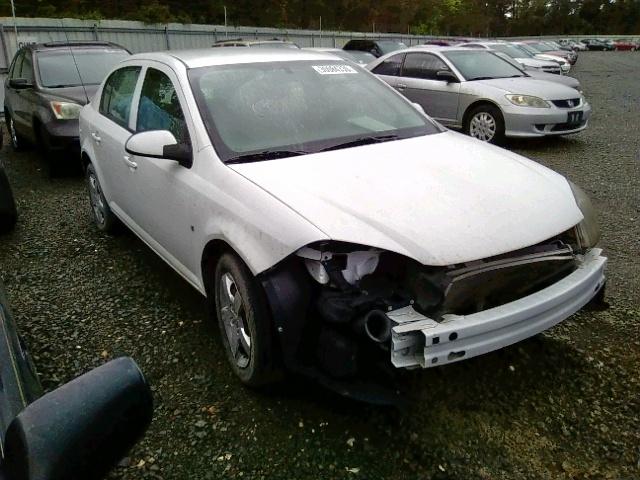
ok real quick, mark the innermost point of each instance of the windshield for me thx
(509, 60)
(481, 65)
(58, 69)
(260, 111)
(528, 48)
(388, 46)
(511, 50)
(541, 47)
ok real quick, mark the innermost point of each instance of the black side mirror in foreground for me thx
(82, 429)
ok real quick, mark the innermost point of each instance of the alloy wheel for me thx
(234, 318)
(483, 126)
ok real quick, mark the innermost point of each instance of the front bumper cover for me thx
(418, 341)
(540, 122)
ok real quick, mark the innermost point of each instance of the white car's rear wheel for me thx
(244, 321)
(102, 215)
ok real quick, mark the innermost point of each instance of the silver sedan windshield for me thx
(481, 65)
(260, 111)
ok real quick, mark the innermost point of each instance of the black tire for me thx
(17, 141)
(494, 113)
(102, 215)
(51, 157)
(8, 212)
(257, 365)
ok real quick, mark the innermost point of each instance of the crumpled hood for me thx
(440, 199)
(529, 86)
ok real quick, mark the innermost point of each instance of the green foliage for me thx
(437, 17)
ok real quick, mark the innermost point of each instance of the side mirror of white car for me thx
(160, 144)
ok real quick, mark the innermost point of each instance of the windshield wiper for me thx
(362, 141)
(265, 155)
(480, 78)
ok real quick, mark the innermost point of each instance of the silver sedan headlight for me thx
(527, 101)
(587, 231)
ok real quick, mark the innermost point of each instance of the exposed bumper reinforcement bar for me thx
(418, 341)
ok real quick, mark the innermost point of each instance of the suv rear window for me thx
(70, 67)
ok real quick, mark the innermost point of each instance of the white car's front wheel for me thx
(486, 123)
(245, 323)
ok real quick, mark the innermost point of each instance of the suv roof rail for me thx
(78, 43)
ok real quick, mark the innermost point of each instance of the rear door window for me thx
(423, 65)
(117, 95)
(159, 107)
(391, 66)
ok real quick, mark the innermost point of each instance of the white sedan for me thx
(334, 227)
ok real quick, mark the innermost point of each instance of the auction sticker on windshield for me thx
(333, 69)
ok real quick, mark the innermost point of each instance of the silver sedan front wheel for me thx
(483, 126)
(486, 123)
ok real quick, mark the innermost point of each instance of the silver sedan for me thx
(482, 94)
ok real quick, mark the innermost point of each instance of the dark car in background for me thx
(78, 431)
(377, 48)
(47, 85)
(595, 44)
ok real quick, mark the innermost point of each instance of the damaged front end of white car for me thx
(347, 314)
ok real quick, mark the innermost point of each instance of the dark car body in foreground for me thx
(78, 431)
(46, 87)
(8, 212)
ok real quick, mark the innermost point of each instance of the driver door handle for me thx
(96, 137)
(131, 164)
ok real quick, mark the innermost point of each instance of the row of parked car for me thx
(475, 91)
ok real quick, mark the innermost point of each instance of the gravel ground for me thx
(563, 405)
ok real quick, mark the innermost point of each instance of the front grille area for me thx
(569, 103)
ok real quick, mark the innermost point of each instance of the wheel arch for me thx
(477, 103)
(212, 251)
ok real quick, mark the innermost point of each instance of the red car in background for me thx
(625, 45)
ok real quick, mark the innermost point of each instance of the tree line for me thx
(434, 17)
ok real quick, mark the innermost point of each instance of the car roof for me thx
(250, 42)
(435, 48)
(206, 57)
(74, 44)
